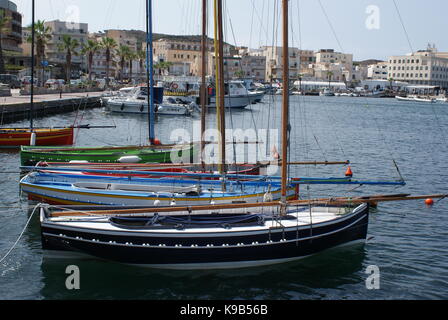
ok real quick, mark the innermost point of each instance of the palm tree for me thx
(122, 53)
(141, 57)
(162, 66)
(391, 81)
(4, 22)
(69, 46)
(90, 49)
(109, 45)
(329, 76)
(42, 35)
(132, 55)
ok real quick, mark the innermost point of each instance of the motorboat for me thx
(137, 102)
(237, 96)
(326, 93)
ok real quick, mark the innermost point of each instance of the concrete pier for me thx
(17, 107)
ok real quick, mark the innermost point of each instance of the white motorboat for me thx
(137, 102)
(326, 93)
(408, 98)
(425, 99)
(237, 96)
(415, 98)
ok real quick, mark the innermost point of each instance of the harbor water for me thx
(407, 241)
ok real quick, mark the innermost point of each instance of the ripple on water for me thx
(409, 239)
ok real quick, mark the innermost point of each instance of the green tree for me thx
(132, 55)
(69, 46)
(90, 49)
(42, 35)
(141, 57)
(162, 66)
(391, 81)
(329, 76)
(108, 44)
(239, 74)
(4, 22)
(122, 53)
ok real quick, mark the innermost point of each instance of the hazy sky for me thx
(366, 28)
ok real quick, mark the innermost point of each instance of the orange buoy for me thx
(349, 172)
(429, 202)
(157, 142)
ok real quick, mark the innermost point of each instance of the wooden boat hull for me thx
(66, 195)
(14, 138)
(29, 156)
(213, 248)
(116, 170)
(75, 189)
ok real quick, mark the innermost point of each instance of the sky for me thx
(370, 29)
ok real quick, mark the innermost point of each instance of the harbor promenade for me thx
(17, 107)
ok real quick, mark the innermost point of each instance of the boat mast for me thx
(203, 85)
(149, 73)
(33, 31)
(219, 60)
(285, 105)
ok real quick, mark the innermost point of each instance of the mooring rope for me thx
(21, 234)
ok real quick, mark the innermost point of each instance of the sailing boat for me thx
(16, 137)
(212, 236)
(156, 152)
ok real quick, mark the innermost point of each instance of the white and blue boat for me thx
(72, 188)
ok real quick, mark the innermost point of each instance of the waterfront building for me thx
(184, 53)
(274, 62)
(99, 60)
(378, 71)
(135, 41)
(425, 67)
(56, 57)
(318, 86)
(13, 39)
(329, 56)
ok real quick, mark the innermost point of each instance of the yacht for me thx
(237, 96)
(137, 102)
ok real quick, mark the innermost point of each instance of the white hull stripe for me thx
(205, 247)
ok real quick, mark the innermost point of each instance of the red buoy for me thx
(157, 142)
(349, 172)
(429, 202)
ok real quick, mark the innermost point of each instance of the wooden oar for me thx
(328, 201)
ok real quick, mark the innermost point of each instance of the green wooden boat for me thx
(30, 156)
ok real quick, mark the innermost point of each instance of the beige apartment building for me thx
(328, 56)
(13, 38)
(425, 67)
(274, 62)
(184, 52)
(55, 56)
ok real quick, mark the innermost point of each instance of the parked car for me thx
(11, 80)
(26, 80)
(54, 83)
(50, 82)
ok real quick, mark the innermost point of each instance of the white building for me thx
(380, 85)
(425, 67)
(318, 86)
(378, 71)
